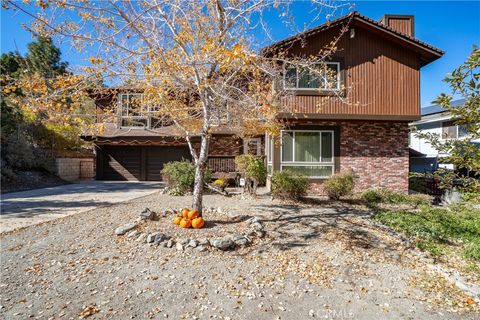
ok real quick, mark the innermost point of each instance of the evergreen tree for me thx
(44, 58)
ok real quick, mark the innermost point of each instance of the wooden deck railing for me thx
(222, 163)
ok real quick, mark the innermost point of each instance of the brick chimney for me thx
(399, 22)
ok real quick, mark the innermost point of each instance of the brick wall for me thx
(74, 169)
(376, 151)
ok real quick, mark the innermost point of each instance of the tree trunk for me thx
(200, 166)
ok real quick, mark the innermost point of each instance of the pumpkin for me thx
(185, 223)
(192, 214)
(184, 213)
(198, 223)
(177, 220)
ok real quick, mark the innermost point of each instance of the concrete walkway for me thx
(21, 209)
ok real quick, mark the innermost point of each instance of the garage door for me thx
(136, 163)
(157, 156)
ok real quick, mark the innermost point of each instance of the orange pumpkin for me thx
(177, 220)
(192, 214)
(185, 223)
(184, 213)
(198, 223)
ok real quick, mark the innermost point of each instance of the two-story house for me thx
(437, 121)
(360, 123)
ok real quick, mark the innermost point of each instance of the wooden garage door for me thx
(122, 163)
(157, 156)
(136, 163)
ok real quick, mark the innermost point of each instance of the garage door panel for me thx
(158, 156)
(128, 163)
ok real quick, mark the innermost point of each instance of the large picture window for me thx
(320, 76)
(308, 152)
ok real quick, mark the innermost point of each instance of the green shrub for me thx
(437, 229)
(340, 185)
(374, 197)
(472, 250)
(288, 185)
(254, 170)
(180, 176)
(417, 183)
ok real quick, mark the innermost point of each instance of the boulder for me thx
(148, 214)
(222, 243)
(183, 242)
(170, 243)
(151, 237)
(204, 242)
(179, 246)
(159, 238)
(240, 240)
(124, 229)
(192, 243)
(257, 226)
(201, 248)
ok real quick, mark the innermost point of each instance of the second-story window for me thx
(133, 112)
(320, 76)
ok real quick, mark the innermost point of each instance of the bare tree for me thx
(198, 62)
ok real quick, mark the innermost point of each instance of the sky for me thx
(453, 26)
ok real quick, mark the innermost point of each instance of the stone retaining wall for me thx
(74, 169)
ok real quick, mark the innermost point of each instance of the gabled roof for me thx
(426, 111)
(427, 52)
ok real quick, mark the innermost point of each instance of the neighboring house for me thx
(438, 121)
(359, 123)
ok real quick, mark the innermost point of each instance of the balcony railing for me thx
(222, 163)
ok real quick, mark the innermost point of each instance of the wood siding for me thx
(381, 78)
(403, 25)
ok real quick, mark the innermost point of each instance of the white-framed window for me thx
(133, 113)
(450, 130)
(309, 152)
(269, 152)
(320, 76)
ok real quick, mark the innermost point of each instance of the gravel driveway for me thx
(318, 260)
(21, 209)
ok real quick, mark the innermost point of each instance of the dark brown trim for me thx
(347, 117)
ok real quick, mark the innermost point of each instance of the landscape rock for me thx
(159, 238)
(240, 240)
(183, 241)
(124, 229)
(204, 242)
(179, 246)
(170, 212)
(222, 243)
(201, 248)
(236, 216)
(192, 243)
(260, 233)
(148, 214)
(142, 237)
(257, 226)
(170, 243)
(151, 237)
(133, 234)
